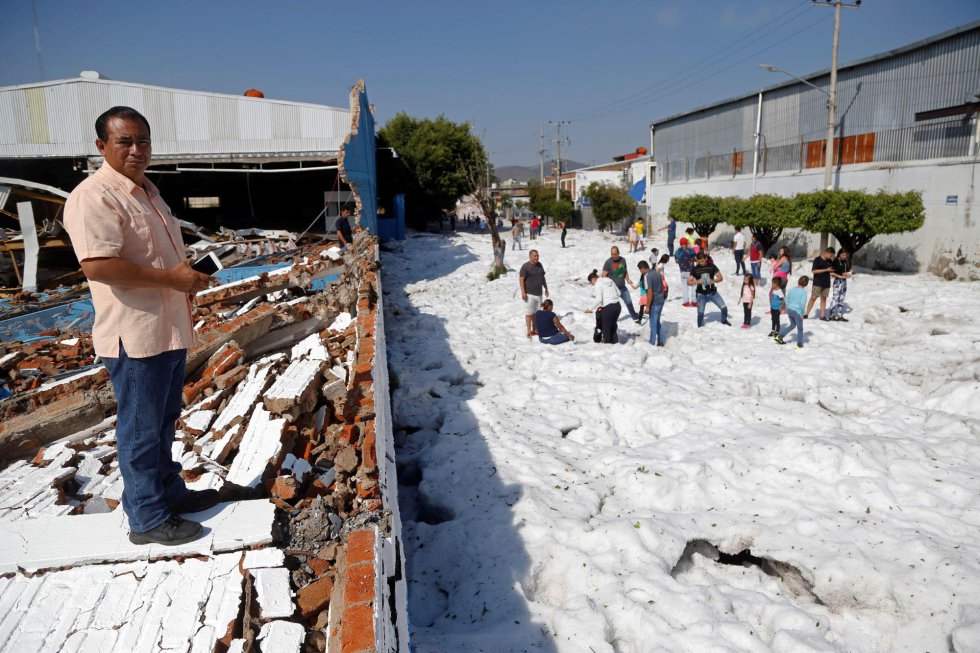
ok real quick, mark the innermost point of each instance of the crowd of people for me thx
(699, 280)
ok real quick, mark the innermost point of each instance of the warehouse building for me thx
(906, 119)
(218, 159)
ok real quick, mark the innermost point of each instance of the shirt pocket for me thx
(144, 248)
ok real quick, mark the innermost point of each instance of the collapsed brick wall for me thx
(369, 600)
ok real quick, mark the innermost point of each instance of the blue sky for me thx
(612, 67)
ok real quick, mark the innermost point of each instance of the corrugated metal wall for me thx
(880, 96)
(57, 120)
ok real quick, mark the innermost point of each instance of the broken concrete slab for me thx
(274, 594)
(261, 443)
(52, 543)
(296, 386)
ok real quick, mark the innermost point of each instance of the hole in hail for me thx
(788, 575)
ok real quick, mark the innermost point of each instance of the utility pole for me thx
(828, 175)
(558, 124)
(541, 153)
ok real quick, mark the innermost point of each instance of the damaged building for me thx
(285, 411)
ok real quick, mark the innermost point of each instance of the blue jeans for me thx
(756, 271)
(795, 322)
(624, 294)
(148, 405)
(670, 246)
(714, 298)
(557, 339)
(739, 261)
(656, 331)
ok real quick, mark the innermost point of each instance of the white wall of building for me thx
(585, 177)
(948, 244)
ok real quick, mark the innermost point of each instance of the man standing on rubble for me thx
(344, 233)
(131, 251)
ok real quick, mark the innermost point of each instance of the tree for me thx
(610, 204)
(542, 202)
(488, 206)
(765, 215)
(702, 211)
(855, 217)
(436, 163)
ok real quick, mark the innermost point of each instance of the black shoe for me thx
(173, 531)
(806, 317)
(196, 501)
(842, 319)
(779, 339)
(726, 322)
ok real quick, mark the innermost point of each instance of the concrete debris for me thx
(279, 399)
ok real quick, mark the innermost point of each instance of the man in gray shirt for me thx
(656, 296)
(532, 282)
(615, 269)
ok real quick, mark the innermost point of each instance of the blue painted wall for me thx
(360, 166)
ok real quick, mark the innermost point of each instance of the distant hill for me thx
(527, 173)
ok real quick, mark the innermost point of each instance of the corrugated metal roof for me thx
(56, 119)
(826, 71)
(878, 96)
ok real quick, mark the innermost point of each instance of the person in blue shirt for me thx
(794, 306)
(776, 301)
(549, 327)
(671, 229)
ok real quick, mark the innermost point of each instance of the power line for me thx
(680, 73)
(651, 99)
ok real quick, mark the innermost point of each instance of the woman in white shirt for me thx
(606, 306)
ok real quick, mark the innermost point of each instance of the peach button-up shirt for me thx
(109, 216)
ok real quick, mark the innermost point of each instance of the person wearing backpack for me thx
(656, 284)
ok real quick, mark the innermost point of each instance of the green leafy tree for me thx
(855, 217)
(702, 211)
(439, 161)
(610, 204)
(542, 202)
(765, 215)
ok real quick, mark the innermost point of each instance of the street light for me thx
(775, 69)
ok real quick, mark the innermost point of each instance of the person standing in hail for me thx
(615, 269)
(532, 282)
(706, 275)
(842, 272)
(130, 248)
(684, 257)
(656, 286)
(755, 259)
(738, 251)
(639, 226)
(671, 229)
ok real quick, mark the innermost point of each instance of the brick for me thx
(369, 454)
(368, 490)
(314, 597)
(285, 488)
(357, 629)
(360, 546)
(318, 566)
(359, 583)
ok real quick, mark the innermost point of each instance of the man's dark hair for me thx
(700, 255)
(126, 113)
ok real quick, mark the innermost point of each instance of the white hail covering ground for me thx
(550, 494)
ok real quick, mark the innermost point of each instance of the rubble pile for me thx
(278, 403)
(24, 366)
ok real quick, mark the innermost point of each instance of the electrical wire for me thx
(775, 24)
(695, 82)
